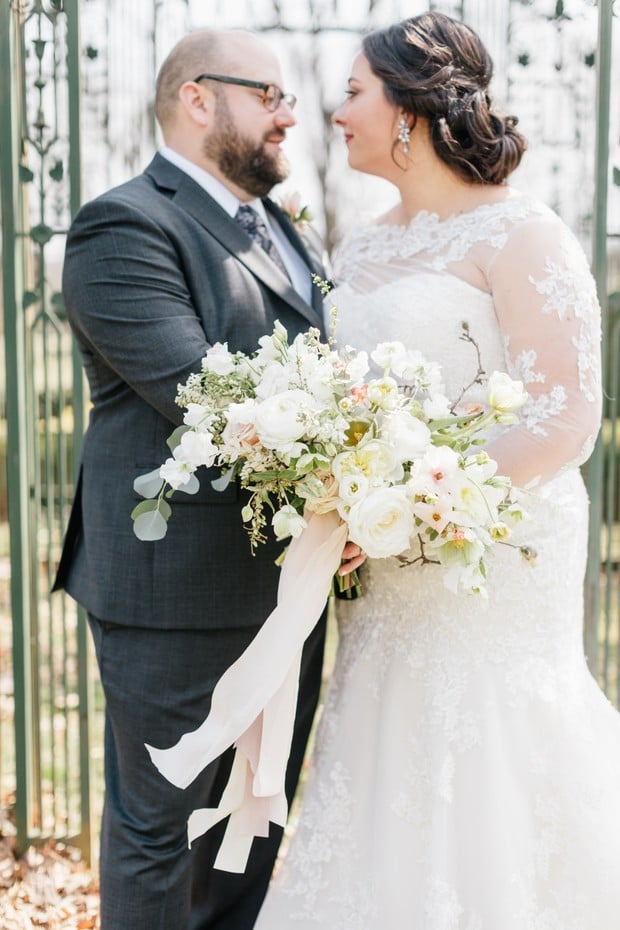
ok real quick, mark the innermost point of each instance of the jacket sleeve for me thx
(129, 305)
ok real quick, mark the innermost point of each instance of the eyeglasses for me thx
(272, 95)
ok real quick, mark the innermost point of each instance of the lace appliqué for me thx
(325, 830)
(574, 293)
(443, 242)
(543, 406)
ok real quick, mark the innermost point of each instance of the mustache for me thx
(274, 137)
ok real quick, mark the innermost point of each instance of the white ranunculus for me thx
(218, 359)
(279, 420)
(287, 522)
(389, 355)
(409, 436)
(503, 394)
(273, 380)
(382, 522)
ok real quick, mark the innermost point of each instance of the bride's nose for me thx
(337, 119)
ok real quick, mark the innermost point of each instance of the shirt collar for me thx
(211, 185)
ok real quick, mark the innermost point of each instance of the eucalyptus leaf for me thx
(148, 485)
(220, 484)
(192, 486)
(175, 437)
(246, 513)
(149, 527)
(150, 507)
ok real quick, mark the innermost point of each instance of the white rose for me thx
(287, 522)
(409, 436)
(279, 420)
(503, 394)
(218, 359)
(382, 522)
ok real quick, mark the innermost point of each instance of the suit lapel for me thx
(310, 256)
(196, 201)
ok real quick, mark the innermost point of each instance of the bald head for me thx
(218, 52)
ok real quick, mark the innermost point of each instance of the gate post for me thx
(594, 474)
(13, 262)
(40, 192)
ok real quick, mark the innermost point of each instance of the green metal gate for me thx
(40, 189)
(46, 707)
(602, 631)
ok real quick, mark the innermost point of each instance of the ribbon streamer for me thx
(253, 704)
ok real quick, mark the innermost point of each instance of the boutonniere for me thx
(299, 215)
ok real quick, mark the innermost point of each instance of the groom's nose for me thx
(284, 116)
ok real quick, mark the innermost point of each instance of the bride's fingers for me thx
(351, 551)
(352, 558)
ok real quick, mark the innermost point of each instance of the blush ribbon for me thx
(253, 704)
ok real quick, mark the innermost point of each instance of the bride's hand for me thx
(352, 558)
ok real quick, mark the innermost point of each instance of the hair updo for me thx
(437, 68)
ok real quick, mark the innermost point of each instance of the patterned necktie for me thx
(250, 220)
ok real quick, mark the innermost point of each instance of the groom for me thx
(183, 256)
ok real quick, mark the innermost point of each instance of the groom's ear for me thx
(196, 103)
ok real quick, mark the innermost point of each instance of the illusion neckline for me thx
(431, 217)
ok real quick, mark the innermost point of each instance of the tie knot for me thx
(249, 219)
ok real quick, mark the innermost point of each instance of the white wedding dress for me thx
(466, 774)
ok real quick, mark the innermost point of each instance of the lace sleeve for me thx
(548, 312)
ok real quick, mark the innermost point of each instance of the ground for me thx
(48, 888)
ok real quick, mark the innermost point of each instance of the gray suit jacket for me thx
(156, 271)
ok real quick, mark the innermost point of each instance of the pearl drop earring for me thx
(404, 134)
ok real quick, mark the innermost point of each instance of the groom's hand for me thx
(352, 558)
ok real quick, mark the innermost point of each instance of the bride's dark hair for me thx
(437, 68)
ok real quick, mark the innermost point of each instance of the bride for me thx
(466, 768)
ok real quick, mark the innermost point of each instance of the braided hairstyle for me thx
(437, 68)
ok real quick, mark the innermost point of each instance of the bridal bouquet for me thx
(306, 430)
(326, 452)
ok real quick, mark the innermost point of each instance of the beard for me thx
(241, 160)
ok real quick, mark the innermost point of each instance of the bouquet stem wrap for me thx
(254, 702)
